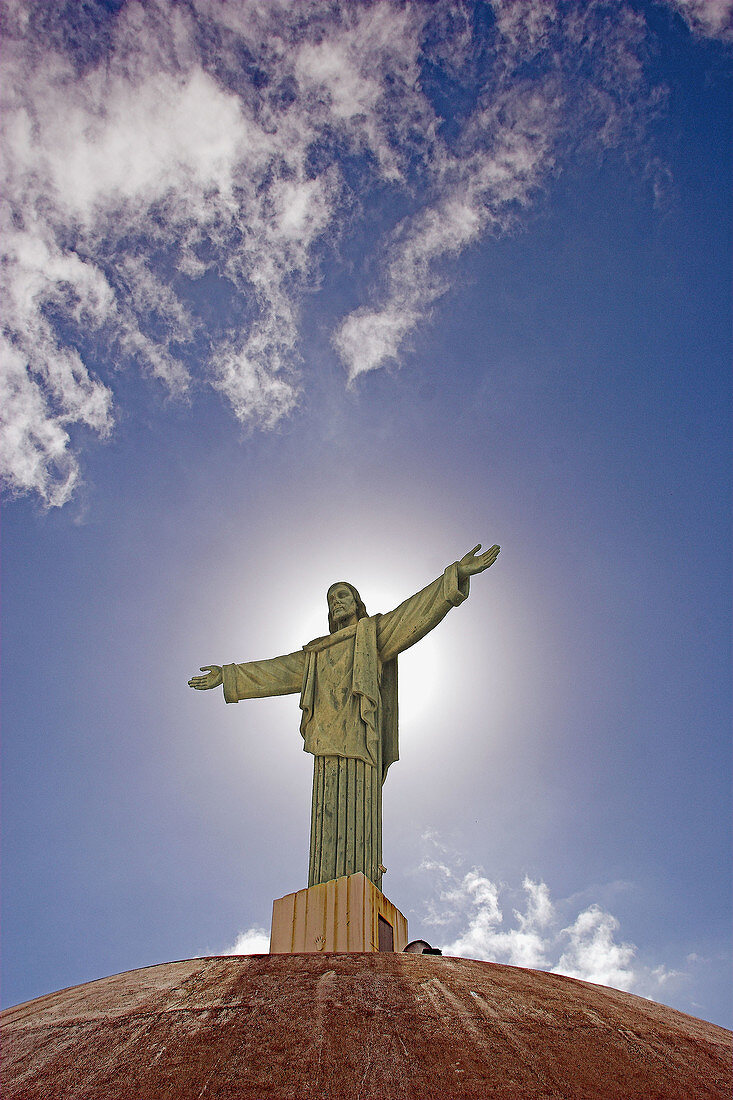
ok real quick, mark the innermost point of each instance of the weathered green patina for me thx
(347, 681)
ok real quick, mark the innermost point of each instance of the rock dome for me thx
(271, 1027)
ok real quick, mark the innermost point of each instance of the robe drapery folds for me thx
(348, 697)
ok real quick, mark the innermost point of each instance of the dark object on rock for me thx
(338, 1026)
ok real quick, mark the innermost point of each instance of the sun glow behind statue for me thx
(443, 678)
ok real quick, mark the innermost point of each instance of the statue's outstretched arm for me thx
(254, 679)
(416, 616)
(212, 679)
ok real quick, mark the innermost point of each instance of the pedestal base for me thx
(346, 914)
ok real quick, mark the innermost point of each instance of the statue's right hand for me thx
(212, 679)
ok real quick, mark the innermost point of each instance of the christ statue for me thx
(347, 682)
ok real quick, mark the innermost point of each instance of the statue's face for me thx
(341, 603)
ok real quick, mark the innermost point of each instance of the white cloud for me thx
(252, 392)
(35, 442)
(713, 18)
(255, 941)
(592, 952)
(475, 921)
(165, 146)
(525, 25)
(523, 945)
(153, 146)
(108, 141)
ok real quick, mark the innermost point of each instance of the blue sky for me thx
(297, 292)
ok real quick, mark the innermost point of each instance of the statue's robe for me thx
(348, 696)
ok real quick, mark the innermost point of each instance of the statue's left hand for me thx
(473, 562)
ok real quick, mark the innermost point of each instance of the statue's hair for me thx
(361, 611)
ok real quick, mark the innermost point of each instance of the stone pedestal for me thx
(346, 914)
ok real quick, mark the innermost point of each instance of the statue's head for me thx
(343, 602)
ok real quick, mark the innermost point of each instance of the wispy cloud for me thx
(532, 931)
(148, 149)
(524, 945)
(588, 65)
(171, 142)
(255, 941)
(592, 953)
(713, 18)
(475, 191)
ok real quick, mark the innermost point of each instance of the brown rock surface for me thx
(351, 1026)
